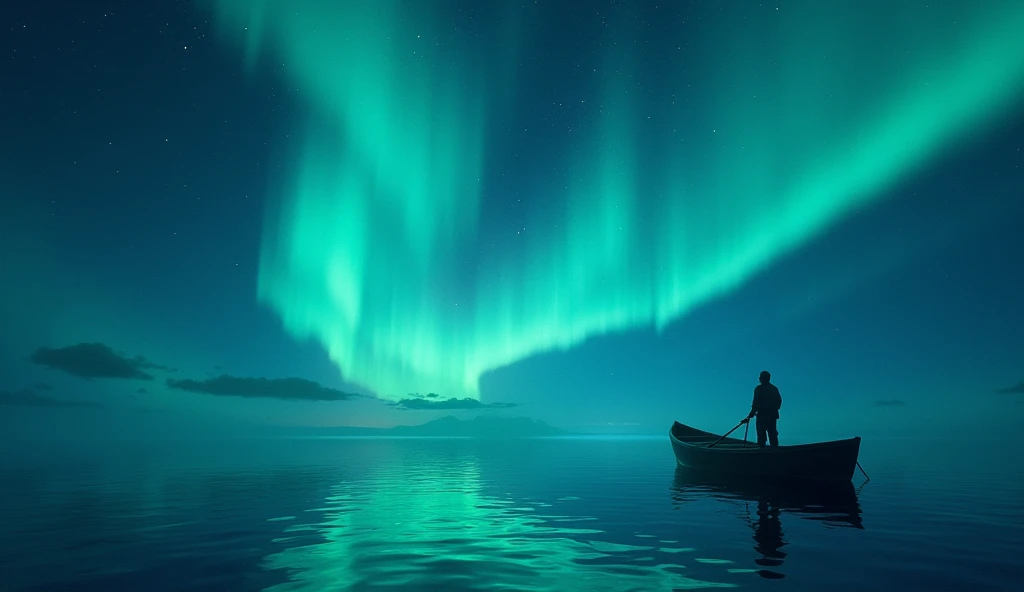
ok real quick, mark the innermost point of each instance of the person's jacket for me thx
(767, 400)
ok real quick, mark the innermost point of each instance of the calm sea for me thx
(550, 514)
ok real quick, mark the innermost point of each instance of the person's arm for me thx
(753, 405)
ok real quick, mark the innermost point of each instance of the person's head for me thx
(765, 377)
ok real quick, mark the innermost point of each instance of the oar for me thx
(745, 420)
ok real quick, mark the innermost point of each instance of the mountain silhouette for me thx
(444, 427)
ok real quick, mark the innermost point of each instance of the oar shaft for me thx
(727, 434)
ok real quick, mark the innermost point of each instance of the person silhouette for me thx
(766, 405)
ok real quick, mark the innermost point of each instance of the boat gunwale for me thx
(702, 445)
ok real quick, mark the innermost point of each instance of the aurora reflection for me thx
(441, 526)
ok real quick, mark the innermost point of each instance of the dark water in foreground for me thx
(563, 514)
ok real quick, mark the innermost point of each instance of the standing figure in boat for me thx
(766, 405)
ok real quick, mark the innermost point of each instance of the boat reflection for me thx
(834, 505)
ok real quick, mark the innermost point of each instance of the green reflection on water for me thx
(437, 529)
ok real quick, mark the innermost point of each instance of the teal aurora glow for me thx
(658, 203)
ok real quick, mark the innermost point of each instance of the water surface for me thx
(548, 514)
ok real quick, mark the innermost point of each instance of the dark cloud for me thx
(453, 403)
(28, 398)
(426, 396)
(889, 403)
(1017, 389)
(275, 388)
(42, 386)
(141, 391)
(94, 360)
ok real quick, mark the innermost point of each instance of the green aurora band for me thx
(712, 151)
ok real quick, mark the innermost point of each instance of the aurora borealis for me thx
(698, 150)
(221, 215)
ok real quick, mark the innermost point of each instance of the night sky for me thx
(223, 214)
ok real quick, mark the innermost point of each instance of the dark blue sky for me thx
(140, 155)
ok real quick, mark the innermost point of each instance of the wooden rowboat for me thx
(826, 461)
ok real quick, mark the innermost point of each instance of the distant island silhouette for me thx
(449, 426)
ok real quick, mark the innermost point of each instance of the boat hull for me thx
(825, 461)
